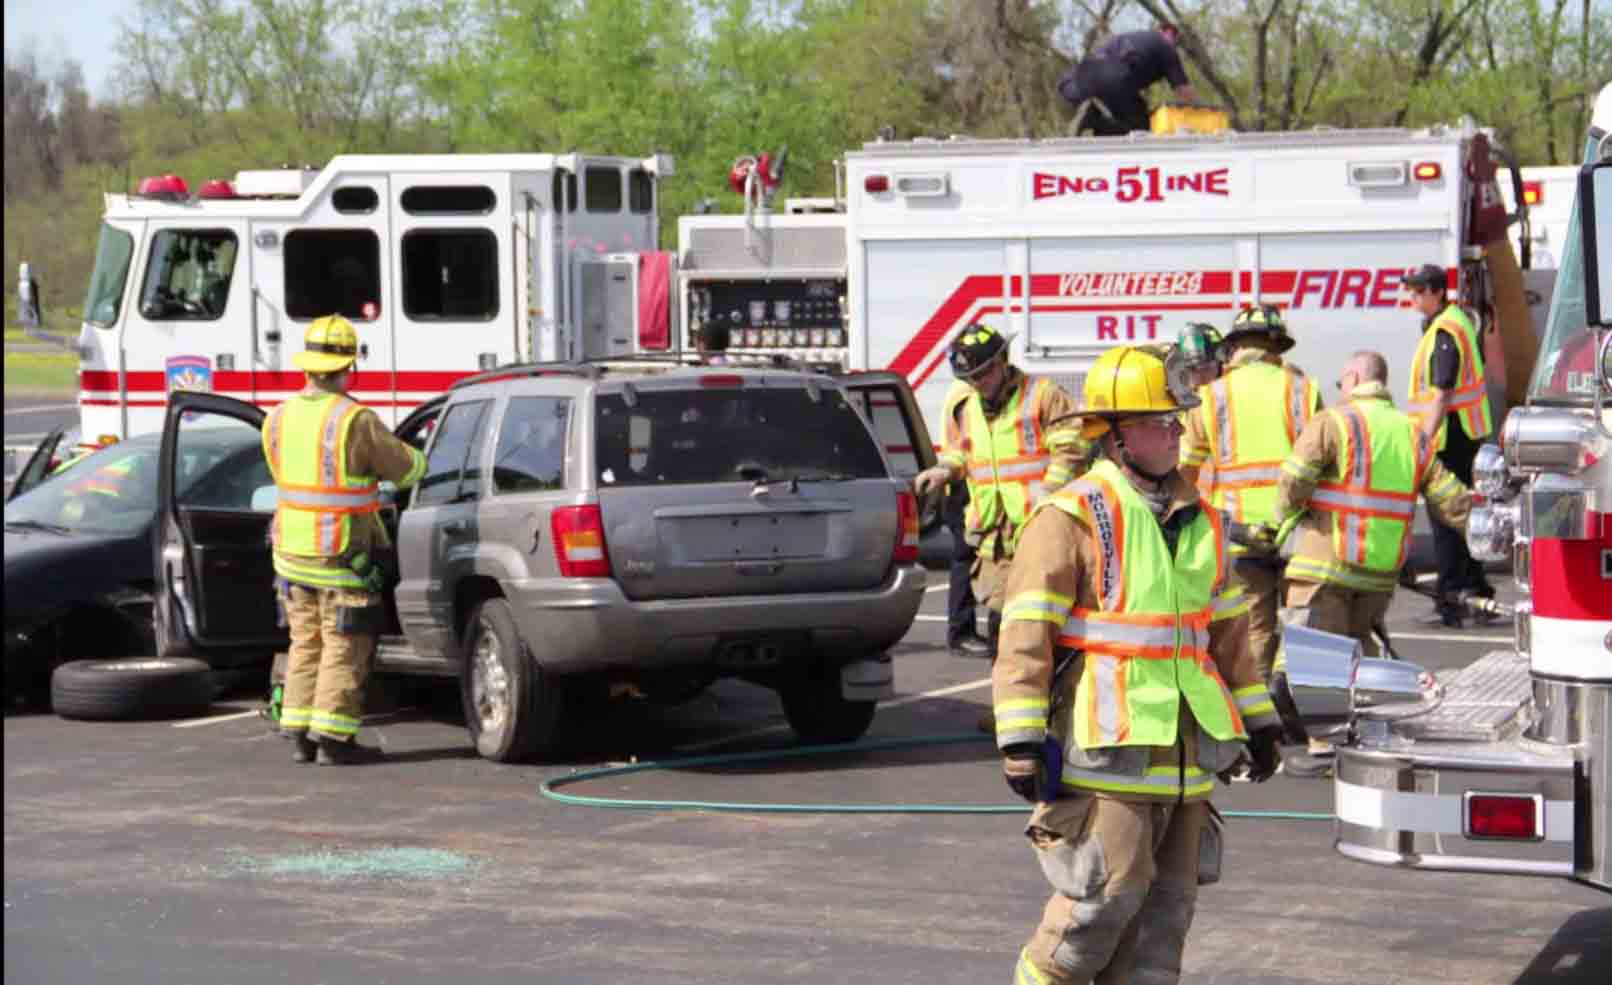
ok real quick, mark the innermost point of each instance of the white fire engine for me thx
(1075, 245)
(447, 265)
(1506, 765)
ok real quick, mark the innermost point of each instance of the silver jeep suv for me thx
(651, 528)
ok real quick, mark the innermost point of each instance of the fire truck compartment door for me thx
(215, 576)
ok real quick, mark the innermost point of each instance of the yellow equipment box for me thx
(1190, 119)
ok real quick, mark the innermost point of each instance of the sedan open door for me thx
(214, 572)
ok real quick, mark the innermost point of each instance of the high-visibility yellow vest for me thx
(1370, 496)
(1008, 457)
(1253, 414)
(1469, 401)
(305, 441)
(1147, 644)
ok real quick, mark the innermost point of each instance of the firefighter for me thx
(1244, 427)
(1106, 87)
(962, 620)
(711, 342)
(1124, 686)
(1354, 474)
(1449, 400)
(1200, 344)
(1014, 439)
(328, 454)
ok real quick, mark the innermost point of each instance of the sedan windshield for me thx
(114, 490)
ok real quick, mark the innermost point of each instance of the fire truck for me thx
(1505, 766)
(447, 264)
(1074, 245)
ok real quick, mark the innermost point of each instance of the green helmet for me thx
(1262, 321)
(1199, 344)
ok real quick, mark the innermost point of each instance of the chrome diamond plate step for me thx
(1481, 701)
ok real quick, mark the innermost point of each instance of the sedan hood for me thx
(46, 571)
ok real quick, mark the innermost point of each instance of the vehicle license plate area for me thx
(752, 538)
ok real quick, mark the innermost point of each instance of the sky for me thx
(83, 30)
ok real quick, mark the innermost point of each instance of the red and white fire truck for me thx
(1074, 245)
(1505, 765)
(447, 265)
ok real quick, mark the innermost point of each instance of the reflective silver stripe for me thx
(1352, 550)
(1027, 415)
(1229, 602)
(1166, 779)
(1359, 451)
(1218, 391)
(1107, 697)
(1078, 628)
(1243, 473)
(1295, 392)
(1233, 507)
(1024, 470)
(354, 499)
(1250, 700)
(1340, 500)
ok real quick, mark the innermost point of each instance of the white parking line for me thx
(199, 722)
(936, 588)
(43, 409)
(892, 703)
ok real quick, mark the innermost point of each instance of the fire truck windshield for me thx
(1566, 369)
(105, 295)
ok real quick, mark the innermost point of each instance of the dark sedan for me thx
(78, 548)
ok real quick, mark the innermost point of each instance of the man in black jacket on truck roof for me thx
(1106, 87)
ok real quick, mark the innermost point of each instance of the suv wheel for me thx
(512, 709)
(818, 712)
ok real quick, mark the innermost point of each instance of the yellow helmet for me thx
(329, 346)
(1132, 379)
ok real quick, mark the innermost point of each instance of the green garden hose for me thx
(550, 788)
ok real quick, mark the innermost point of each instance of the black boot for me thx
(334, 752)
(302, 748)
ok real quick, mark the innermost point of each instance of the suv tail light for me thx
(579, 542)
(906, 551)
(1510, 816)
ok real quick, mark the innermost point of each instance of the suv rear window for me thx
(726, 435)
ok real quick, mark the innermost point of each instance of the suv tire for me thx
(817, 710)
(514, 711)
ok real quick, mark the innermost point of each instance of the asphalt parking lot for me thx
(195, 852)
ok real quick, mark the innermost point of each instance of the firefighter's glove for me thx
(930, 480)
(1264, 753)
(1025, 773)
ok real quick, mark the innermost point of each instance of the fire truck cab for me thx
(446, 264)
(1506, 765)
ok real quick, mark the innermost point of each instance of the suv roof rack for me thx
(516, 370)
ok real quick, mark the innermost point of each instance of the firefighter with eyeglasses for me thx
(328, 454)
(1013, 437)
(1124, 686)
(1353, 477)
(1243, 428)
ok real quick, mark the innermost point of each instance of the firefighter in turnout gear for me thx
(1450, 402)
(1354, 475)
(328, 454)
(1014, 439)
(1243, 428)
(1124, 686)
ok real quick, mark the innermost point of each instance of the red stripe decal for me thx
(1567, 579)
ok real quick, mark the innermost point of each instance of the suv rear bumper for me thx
(578, 625)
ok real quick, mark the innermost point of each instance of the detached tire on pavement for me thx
(817, 710)
(142, 687)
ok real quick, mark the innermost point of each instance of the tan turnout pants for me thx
(1263, 587)
(1341, 610)
(326, 669)
(1125, 881)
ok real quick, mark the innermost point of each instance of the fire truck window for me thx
(640, 191)
(450, 274)
(602, 188)
(531, 445)
(332, 271)
(448, 200)
(356, 200)
(105, 295)
(565, 191)
(457, 439)
(188, 275)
